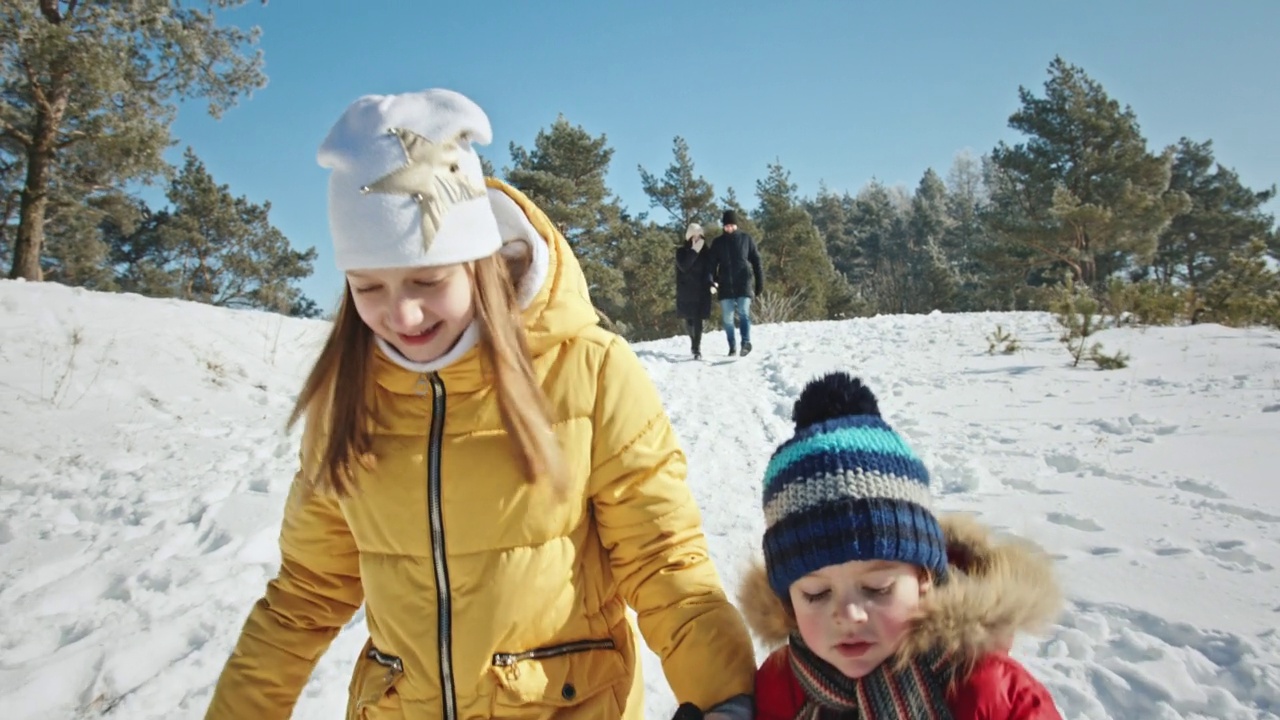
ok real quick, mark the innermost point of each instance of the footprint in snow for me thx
(1142, 665)
(1232, 555)
(1200, 488)
(1076, 523)
(1241, 512)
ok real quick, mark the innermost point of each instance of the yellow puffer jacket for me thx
(486, 598)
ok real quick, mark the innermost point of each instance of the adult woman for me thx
(693, 286)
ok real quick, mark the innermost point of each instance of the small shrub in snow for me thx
(1005, 341)
(1145, 303)
(1077, 311)
(1108, 362)
(773, 307)
(1246, 292)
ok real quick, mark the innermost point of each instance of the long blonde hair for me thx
(336, 392)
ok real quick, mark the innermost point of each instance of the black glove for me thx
(688, 711)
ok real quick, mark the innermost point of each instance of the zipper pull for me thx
(507, 662)
(422, 388)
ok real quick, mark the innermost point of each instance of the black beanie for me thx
(729, 218)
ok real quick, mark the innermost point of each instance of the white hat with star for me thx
(407, 189)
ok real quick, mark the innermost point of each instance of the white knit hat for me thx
(694, 230)
(407, 189)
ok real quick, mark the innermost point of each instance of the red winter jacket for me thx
(996, 588)
(999, 688)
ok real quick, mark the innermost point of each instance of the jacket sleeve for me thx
(778, 694)
(651, 528)
(1029, 700)
(1000, 688)
(713, 261)
(753, 256)
(685, 260)
(315, 593)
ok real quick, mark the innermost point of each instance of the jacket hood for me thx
(997, 588)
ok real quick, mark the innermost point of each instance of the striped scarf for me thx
(916, 692)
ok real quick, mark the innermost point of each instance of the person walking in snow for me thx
(881, 608)
(483, 467)
(693, 286)
(735, 265)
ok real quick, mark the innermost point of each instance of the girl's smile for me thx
(421, 312)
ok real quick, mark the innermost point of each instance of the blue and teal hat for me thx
(845, 487)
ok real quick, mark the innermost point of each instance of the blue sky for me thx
(837, 91)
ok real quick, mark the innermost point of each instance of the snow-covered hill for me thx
(143, 467)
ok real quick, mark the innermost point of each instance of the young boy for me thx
(886, 610)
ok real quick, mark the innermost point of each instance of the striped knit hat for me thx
(845, 487)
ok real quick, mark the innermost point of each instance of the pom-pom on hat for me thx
(406, 187)
(845, 487)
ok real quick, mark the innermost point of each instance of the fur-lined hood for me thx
(996, 588)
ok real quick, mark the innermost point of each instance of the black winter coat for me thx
(693, 282)
(735, 265)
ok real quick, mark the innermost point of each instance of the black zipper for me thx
(509, 659)
(391, 662)
(443, 608)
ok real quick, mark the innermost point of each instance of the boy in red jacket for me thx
(886, 611)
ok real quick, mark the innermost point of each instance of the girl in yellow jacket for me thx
(482, 466)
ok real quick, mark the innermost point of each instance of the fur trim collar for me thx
(998, 587)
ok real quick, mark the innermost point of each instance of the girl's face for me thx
(855, 615)
(421, 311)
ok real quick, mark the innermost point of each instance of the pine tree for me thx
(830, 215)
(89, 93)
(934, 281)
(565, 175)
(966, 233)
(1246, 291)
(210, 247)
(791, 250)
(685, 196)
(646, 260)
(878, 222)
(1224, 218)
(1082, 191)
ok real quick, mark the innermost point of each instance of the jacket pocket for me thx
(373, 685)
(558, 675)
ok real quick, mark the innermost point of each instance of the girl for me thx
(693, 286)
(886, 612)
(490, 473)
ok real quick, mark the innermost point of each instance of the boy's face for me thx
(855, 615)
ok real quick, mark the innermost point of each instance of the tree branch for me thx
(36, 88)
(7, 130)
(73, 137)
(1052, 254)
(49, 8)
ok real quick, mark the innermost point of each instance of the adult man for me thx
(735, 265)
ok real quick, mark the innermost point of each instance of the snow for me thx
(143, 466)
